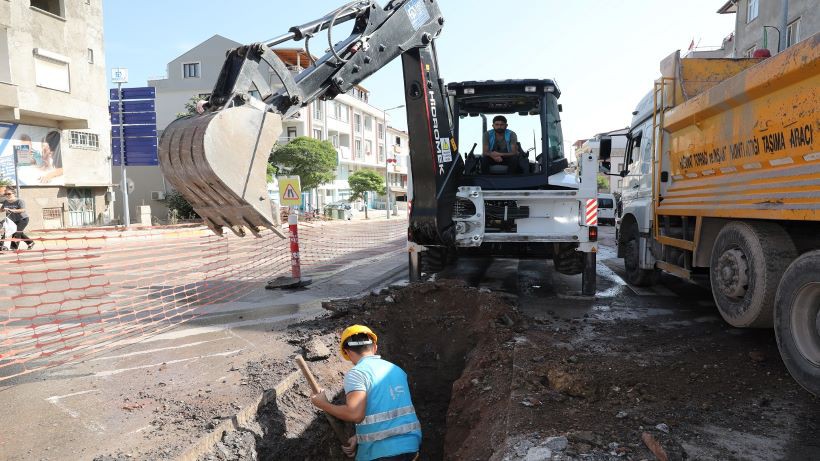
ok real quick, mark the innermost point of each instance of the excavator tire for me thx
(568, 260)
(433, 260)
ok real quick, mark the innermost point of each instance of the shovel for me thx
(314, 386)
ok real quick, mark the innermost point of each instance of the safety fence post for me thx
(295, 280)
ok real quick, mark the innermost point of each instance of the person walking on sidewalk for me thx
(16, 210)
(377, 400)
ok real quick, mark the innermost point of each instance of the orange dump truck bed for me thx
(744, 146)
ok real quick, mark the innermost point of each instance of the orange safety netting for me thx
(80, 291)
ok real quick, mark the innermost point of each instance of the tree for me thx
(363, 181)
(312, 160)
(179, 207)
(190, 106)
(603, 184)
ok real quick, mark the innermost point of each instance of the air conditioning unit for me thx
(157, 195)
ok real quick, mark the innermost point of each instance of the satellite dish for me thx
(130, 183)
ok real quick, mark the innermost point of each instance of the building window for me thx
(317, 110)
(381, 154)
(357, 123)
(793, 33)
(80, 207)
(54, 7)
(291, 133)
(752, 10)
(340, 112)
(368, 148)
(317, 133)
(334, 139)
(83, 140)
(51, 70)
(620, 183)
(190, 70)
(380, 130)
(368, 123)
(90, 56)
(398, 140)
(357, 149)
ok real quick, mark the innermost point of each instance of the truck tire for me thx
(634, 274)
(746, 265)
(567, 259)
(797, 320)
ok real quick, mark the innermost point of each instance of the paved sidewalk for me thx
(157, 394)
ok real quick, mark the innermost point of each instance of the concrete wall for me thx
(748, 34)
(52, 77)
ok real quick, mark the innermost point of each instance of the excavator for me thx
(458, 204)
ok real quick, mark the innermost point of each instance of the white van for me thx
(606, 209)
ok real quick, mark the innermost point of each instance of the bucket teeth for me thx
(217, 161)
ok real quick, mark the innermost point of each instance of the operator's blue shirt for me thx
(390, 426)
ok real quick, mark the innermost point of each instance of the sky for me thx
(604, 54)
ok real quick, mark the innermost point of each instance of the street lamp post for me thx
(386, 163)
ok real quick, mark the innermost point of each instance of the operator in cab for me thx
(500, 146)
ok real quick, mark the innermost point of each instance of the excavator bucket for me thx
(218, 162)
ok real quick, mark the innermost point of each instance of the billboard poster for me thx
(37, 151)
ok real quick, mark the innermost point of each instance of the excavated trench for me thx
(445, 337)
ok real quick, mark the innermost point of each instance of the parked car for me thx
(606, 209)
(342, 206)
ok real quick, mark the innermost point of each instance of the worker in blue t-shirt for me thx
(377, 400)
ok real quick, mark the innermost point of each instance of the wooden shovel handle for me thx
(314, 386)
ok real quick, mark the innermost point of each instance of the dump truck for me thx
(217, 159)
(722, 182)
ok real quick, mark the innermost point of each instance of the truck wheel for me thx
(797, 320)
(634, 274)
(744, 272)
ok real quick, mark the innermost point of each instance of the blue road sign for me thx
(145, 92)
(139, 126)
(134, 118)
(135, 131)
(133, 106)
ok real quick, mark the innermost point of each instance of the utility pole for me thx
(386, 163)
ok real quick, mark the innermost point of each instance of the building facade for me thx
(758, 24)
(354, 127)
(54, 120)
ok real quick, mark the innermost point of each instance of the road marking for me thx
(102, 374)
(151, 351)
(92, 426)
(56, 398)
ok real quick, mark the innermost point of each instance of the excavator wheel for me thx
(217, 161)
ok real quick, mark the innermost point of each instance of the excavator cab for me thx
(532, 106)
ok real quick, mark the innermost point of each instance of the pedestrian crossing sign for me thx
(290, 192)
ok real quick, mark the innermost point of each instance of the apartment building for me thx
(758, 24)
(354, 127)
(54, 121)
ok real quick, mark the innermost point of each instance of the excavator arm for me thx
(217, 159)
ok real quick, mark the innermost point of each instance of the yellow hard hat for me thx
(354, 330)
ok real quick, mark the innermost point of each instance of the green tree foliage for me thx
(179, 207)
(603, 184)
(363, 181)
(190, 106)
(312, 160)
